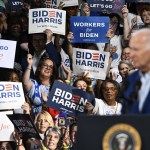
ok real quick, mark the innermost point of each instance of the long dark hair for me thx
(54, 75)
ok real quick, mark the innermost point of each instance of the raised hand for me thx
(89, 107)
(125, 11)
(70, 36)
(26, 107)
(86, 9)
(29, 59)
(49, 35)
(61, 5)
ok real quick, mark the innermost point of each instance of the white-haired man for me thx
(136, 91)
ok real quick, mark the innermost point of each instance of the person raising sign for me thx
(45, 75)
(108, 105)
(40, 46)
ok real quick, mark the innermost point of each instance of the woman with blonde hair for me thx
(43, 121)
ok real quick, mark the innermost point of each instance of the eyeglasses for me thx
(47, 66)
(109, 88)
(125, 53)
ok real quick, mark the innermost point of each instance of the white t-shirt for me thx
(102, 108)
(36, 60)
(144, 90)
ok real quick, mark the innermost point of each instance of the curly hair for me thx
(116, 85)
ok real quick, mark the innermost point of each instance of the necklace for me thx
(116, 108)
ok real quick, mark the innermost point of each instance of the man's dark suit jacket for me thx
(129, 95)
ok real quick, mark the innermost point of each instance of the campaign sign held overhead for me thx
(89, 29)
(92, 61)
(15, 4)
(7, 47)
(11, 95)
(68, 99)
(68, 3)
(113, 6)
(24, 125)
(46, 18)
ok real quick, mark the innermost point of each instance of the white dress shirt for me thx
(144, 90)
(36, 60)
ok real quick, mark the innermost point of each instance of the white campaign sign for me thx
(6, 128)
(7, 53)
(11, 95)
(68, 2)
(92, 61)
(46, 18)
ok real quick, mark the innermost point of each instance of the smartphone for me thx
(64, 122)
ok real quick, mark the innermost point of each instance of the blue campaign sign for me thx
(113, 6)
(137, 1)
(15, 4)
(89, 29)
(68, 99)
(79, 96)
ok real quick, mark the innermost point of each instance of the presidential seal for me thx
(121, 137)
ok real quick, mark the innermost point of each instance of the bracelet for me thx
(28, 68)
(67, 81)
(66, 147)
(19, 145)
(89, 86)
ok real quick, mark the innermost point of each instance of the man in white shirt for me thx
(43, 47)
